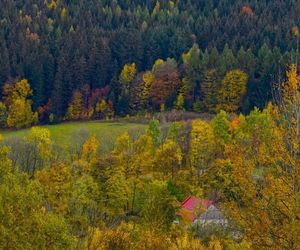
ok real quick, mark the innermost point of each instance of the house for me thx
(201, 212)
(192, 207)
(212, 216)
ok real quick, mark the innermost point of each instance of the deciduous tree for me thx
(232, 91)
(19, 112)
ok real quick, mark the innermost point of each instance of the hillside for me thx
(79, 48)
(150, 124)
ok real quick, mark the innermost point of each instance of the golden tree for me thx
(126, 77)
(257, 179)
(169, 158)
(202, 146)
(233, 89)
(19, 112)
(75, 109)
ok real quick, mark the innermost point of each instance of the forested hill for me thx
(70, 49)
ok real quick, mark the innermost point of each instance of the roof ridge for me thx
(185, 201)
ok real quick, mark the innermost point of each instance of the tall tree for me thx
(209, 89)
(232, 91)
(166, 83)
(193, 70)
(19, 112)
(75, 110)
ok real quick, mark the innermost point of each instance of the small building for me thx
(200, 212)
(192, 207)
(212, 216)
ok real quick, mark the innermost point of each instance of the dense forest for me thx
(200, 149)
(78, 49)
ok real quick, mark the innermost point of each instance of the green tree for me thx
(221, 128)
(227, 61)
(179, 102)
(3, 115)
(157, 210)
(116, 191)
(193, 69)
(209, 89)
(154, 131)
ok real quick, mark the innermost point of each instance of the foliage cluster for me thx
(128, 198)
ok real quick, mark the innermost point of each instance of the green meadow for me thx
(65, 134)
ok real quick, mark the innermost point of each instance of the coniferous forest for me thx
(150, 124)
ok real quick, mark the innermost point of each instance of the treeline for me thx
(128, 198)
(203, 82)
(62, 46)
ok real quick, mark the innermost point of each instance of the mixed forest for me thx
(127, 57)
(235, 64)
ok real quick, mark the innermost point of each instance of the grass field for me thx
(65, 134)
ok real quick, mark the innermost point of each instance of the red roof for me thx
(192, 206)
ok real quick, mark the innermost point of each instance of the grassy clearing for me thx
(63, 135)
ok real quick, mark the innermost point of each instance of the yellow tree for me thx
(232, 91)
(142, 164)
(179, 102)
(115, 191)
(89, 153)
(104, 110)
(75, 109)
(19, 112)
(168, 158)
(39, 149)
(289, 118)
(202, 147)
(126, 77)
(123, 152)
(255, 179)
(289, 104)
(41, 137)
(148, 78)
(156, 8)
(57, 182)
(157, 64)
(25, 222)
(89, 148)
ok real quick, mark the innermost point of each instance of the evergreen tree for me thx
(209, 89)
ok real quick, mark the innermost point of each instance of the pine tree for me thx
(4, 62)
(193, 69)
(209, 90)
